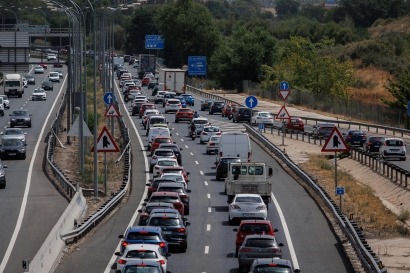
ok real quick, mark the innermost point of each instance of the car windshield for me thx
(10, 83)
(264, 115)
(11, 142)
(230, 160)
(20, 113)
(38, 91)
(13, 132)
(141, 254)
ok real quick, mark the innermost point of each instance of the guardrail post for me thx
(397, 175)
(384, 168)
(406, 179)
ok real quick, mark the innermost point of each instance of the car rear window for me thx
(255, 228)
(173, 102)
(164, 221)
(164, 198)
(144, 235)
(272, 268)
(171, 189)
(162, 140)
(211, 129)
(185, 110)
(142, 254)
(394, 142)
(164, 153)
(201, 121)
(246, 199)
(166, 163)
(260, 242)
(157, 120)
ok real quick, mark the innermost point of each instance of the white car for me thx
(213, 144)
(51, 57)
(147, 113)
(176, 176)
(247, 206)
(6, 101)
(159, 96)
(39, 94)
(172, 105)
(207, 132)
(151, 252)
(200, 123)
(163, 163)
(160, 153)
(25, 83)
(262, 117)
(393, 147)
(38, 69)
(54, 76)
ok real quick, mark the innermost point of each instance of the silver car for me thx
(14, 133)
(272, 265)
(207, 132)
(213, 144)
(247, 206)
(6, 101)
(258, 246)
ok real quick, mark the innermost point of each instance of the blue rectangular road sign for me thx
(340, 191)
(197, 66)
(154, 44)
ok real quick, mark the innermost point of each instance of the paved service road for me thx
(29, 205)
(313, 246)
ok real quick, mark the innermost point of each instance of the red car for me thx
(250, 227)
(145, 81)
(43, 66)
(295, 124)
(168, 197)
(184, 114)
(157, 141)
(145, 106)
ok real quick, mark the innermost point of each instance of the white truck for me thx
(235, 144)
(249, 177)
(13, 85)
(174, 79)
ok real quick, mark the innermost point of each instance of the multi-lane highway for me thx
(29, 205)
(307, 235)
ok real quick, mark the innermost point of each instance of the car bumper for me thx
(245, 261)
(236, 215)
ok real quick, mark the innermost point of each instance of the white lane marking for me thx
(135, 215)
(287, 234)
(201, 172)
(191, 153)
(182, 139)
(206, 250)
(177, 134)
(208, 227)
(209, 209)
(208, 195)
(206, 183)
(186, 146)
(196, 162)
(17, 228)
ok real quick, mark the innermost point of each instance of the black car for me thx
(242, 114)
(373, 144)
(222, 166)
(216, 107)
(175, 148)
(30, 79)
(47, 85)
(355, 137)
(174, 228)
(2, 175)
(20, 117)
(205, 104)
(152, 84)
(12, 147)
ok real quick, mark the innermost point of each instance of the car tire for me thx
(186, 211)
(207, 152)
(3, 186)
(149, 148)
(176, 120)
(201, 142)
(230, 221)
(184, 247)
(29, 125)
(235, 255)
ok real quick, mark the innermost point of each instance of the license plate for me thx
(248, 214)
(357, 142)
(12, 154)
(167, 232)
(394, 150)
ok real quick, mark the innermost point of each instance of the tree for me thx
(188, 29)
(286, 8)
(400, 89)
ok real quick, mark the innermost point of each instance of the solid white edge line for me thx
(287, 234)
(135, 215)
(209, 209)
(20, 218)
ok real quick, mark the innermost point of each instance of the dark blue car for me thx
(355, 137)
(143, 235)
(189, 99)
(183, 101)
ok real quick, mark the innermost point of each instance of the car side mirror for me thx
(180, 149)
(281, 244)
(25, 133)
(188, 191)
(117, 254)
(188, 173)
(187, 224)
(144, 204)
(140, 210)
(275, 230)
(25, 86)
(270, 171)
(148, 184)
(25, 144)
(121, 236)
(4, 166)
(235, 229)
(297, 271)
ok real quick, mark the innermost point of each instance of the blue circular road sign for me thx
(109, 98)
(251, 101)
(284, 85)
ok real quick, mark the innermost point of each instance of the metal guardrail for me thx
(70, 189)
(315, 121)
(370, 262)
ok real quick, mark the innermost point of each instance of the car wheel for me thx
(29, 125)
(201, 142)
(3, 186)
(236, 253)
(184, 247)
(230, 221)
(186, 210)
(403, 159)
(176, 120)
(207, 152)
(149, 148)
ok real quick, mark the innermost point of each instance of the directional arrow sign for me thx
(284, 94)
(105, 142)
(282, 114)
(109, 98)
(112, 112)
(335, 142)
(340, 190)
(284, 85)
(251, 101)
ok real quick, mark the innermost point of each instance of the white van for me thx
(235, 144)
(156, 132)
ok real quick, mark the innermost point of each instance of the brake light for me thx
(167, 103)
(211, 144)
(245, 250)
(152, 188)
(204, 134)
(183, 196)
(274, 250)
(272, 265)
(154, 157)
(161, 262)
(219, 133)
(261, 207)
(122, 261)
(162, 244)
(235, 206)
(180, 230)
(124, 244)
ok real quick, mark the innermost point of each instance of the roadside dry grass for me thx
(359, 200)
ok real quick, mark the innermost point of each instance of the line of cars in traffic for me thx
(167, 201)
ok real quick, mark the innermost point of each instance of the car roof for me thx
(262, 261)
(244, 222)
(145, 228)
(153, 247)
(164, 193)
(159, 204)
(247, 195)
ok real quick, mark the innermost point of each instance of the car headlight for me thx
(2, 174)
(22, 150)
(13, 119)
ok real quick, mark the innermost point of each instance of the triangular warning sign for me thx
(335, 142)
(284, 94)
(112, 112)
(282, 114)
(75, 129)
(105, 142)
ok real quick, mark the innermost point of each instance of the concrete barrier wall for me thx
(48, 255)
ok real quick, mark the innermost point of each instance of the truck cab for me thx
(249, 177)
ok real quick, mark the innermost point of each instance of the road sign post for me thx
(340, 191)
